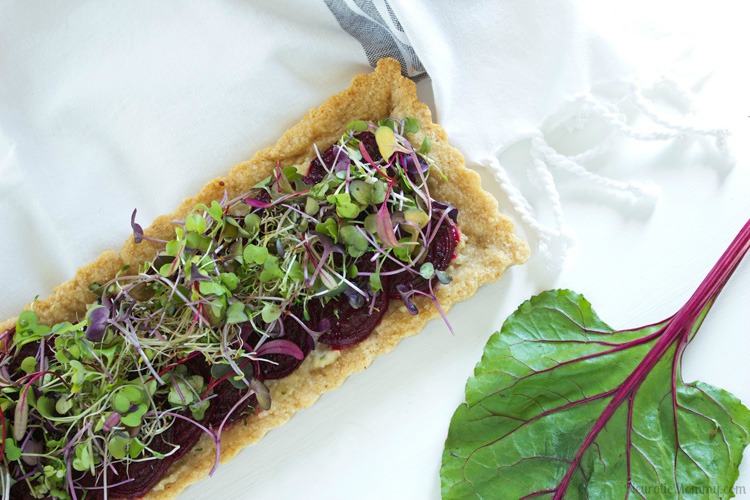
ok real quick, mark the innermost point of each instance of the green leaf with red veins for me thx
(562, 406)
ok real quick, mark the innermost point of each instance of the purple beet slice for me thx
(285, 364)
(20, 491)
(317, 171)
(351, 326)
(371, 145)
(186, 434)
(440, 253)
(144, 475)
(226, 397)
(28, 350)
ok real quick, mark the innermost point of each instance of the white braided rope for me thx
(593, 152)
(618, 121)
(554, 240)
(555, 159)
(644, 106)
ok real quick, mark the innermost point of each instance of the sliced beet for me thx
(144, 475)
(286, 364)
(20, 491)
(351, 326)
(227, 396)
(317, 171)
(197, 365)
(27, 350)
(440, 253)
(371, 145)
(263, 196)
(443, 246)
(186, 434)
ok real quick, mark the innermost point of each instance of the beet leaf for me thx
(563, 406)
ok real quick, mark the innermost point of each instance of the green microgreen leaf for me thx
(426, 146)
(135, 448)
(356, 126)
(236, 313)
(198, 409)
(28, 329)
(292, 174)
(120, 403)
(404, 251)
(330, 228)
(45, 406)
(78, 376)
(352, 271)
(230, 281)
(184, 391)
(388, 123)
(411, 125)
(233, 228)
(271, 269)
(295, 272)
(195, 222)
(118, 447)
(63, 405)
(356, 243)
(133, 393)
(220, 370)
(379, 190)
(311, 206)
(427, 270)
(133, 418)
(371, 224)
(270, 312)
(375, 282)
(264, 183)
(344, 206)
(254, 253)
(82, 460)
(319, 190)
(167, 270)
(28, 365)
(215, 211)
(212, 288)
(12, 450)
(283, 184)
(198, 241)
(252, 223)
(354, 153)
(361, 192)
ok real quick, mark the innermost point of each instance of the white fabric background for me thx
(105, 107)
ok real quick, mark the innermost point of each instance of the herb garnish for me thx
(562, 406)
(226, 292)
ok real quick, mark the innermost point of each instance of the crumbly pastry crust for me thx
(487, 248)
